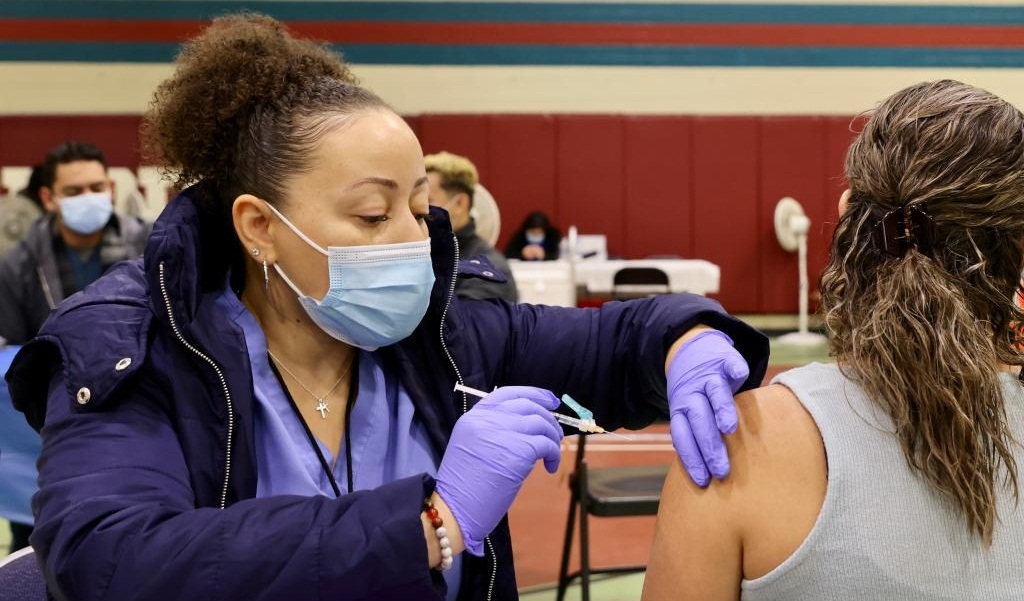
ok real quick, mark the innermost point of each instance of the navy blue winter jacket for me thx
(144, 396)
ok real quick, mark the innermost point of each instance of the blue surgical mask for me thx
(378, 293)
(86, 213)
(535, 238)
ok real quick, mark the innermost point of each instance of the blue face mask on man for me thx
(378, 293)
(86, 213)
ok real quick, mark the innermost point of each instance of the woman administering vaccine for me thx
(262, 408)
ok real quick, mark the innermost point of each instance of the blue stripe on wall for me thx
(523, 12)
(684, 56)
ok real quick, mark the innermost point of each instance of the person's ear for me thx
(47, 197)
(252, 220)
(844, 201)
(462, 199)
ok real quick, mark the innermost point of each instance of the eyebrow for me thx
(387, 183)
(66, 187)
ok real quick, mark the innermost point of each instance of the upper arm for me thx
(708, 540)
(696, 553)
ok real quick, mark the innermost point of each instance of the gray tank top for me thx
(883, 533)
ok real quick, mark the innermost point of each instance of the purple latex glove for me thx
(702, 378)
(493, 448)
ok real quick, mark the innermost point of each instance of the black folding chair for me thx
(633, 282)
(605, 492)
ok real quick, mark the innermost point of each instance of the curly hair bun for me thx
(238, 67)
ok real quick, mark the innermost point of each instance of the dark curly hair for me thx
(246, 105)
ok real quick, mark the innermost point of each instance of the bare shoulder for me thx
(709, 539)
(779, 473)
(773, 428)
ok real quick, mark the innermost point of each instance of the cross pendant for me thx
(322, 408)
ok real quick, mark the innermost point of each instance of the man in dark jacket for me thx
(67, 249)
(150, 471)
(64, 250)
(487, 275)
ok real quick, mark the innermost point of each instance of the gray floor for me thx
(5, 537)
(618, 588)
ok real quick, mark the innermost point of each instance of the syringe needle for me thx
(617, 434)
(589, 426)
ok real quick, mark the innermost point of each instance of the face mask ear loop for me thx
(266, 277)
(294, 229)
(288, 281)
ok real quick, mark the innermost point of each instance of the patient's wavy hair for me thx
(925, 333)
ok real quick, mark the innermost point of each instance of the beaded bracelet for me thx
(442, 535)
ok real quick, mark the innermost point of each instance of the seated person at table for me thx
(893, 473)
(535, 240)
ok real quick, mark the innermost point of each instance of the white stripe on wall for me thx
(75, 88)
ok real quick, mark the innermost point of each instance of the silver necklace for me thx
(321, 400)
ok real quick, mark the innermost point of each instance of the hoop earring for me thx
(266, 277)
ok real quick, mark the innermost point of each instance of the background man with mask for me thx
(68, 248)
(63, 251)
(452, 181)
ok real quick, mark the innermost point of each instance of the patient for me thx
(892, 474)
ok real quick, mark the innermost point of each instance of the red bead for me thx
(432, 513)
(436, 523)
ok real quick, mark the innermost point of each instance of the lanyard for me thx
(353, 391)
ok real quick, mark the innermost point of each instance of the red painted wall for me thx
(697, 187)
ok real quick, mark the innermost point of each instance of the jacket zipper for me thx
(220, 376)
(465, 402)
(46, 288)
(444, 315)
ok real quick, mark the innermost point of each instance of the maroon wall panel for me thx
(591, 186)
(24, 141)
(414, 124)
(792, 164)
(658, 213)
(465, 135)
(522, 173)
(702, 187)
(725, 191)
(117, 136)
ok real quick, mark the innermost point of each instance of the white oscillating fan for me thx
(486, 215)
(791, 227)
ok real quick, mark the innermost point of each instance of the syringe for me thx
(579, 424)
(582, 425)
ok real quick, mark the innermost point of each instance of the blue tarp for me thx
(19, 448)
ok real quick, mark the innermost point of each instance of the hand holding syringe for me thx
(583, 425)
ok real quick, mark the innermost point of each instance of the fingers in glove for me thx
(737, 370)
(543, 397)
(720, 395)
(548, 450)
(686, 447)
(530, 419)
(697, 410)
